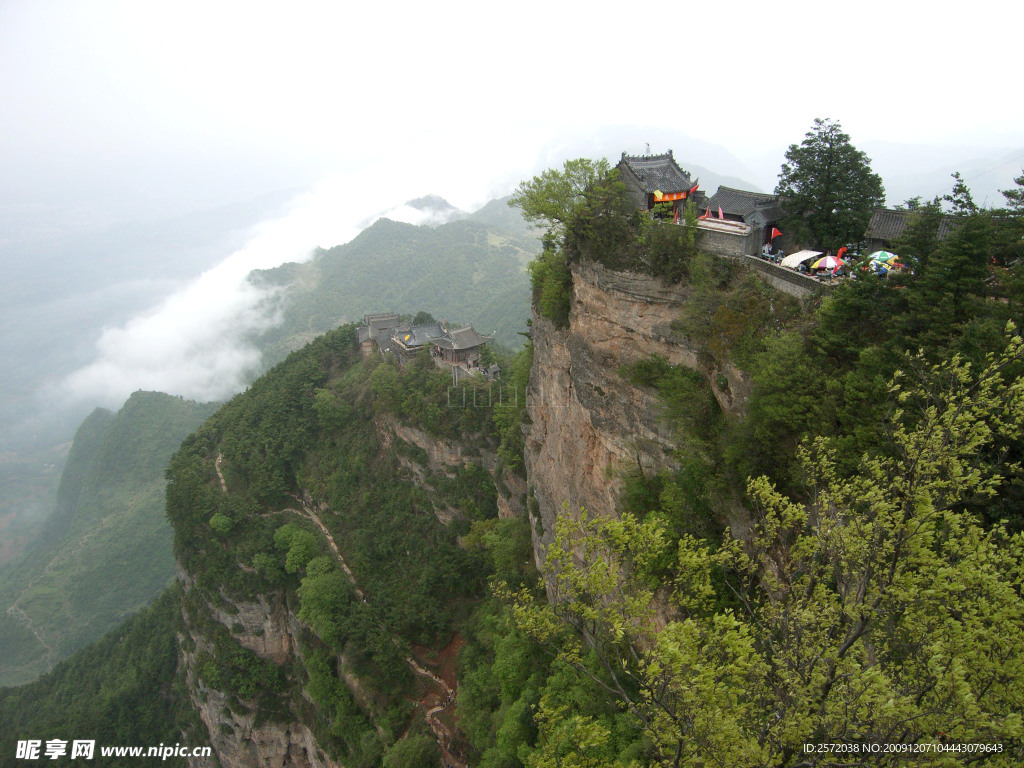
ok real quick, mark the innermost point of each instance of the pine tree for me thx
(828, 188)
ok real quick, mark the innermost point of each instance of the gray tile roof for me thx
(771, 212)
(740, 202)
(888, 224)
(461, 338)
(655, 172)
(381, 322)
(412, 336)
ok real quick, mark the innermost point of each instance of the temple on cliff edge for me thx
(737, 222)
(653, 179)
(457, 348)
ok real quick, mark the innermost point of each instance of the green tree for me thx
(1015, 197)
(960, 198)
(221, 524)
(828, 188)
(920, 239)
(556, 198)
(298, 544)
(1009, 248)
(552, 286)
(876, 612)
(324, 597)
(417, 751)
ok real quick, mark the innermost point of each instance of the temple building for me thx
(375, 331)
(407, 340)
(653, 179)
(759, 210)
(887, 225)
(458, 348)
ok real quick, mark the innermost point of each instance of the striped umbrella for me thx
(827, 262)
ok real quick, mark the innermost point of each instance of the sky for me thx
(143, 113)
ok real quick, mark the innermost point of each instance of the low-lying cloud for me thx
(199, 342)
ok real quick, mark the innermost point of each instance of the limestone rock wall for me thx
(444, 456)
(243, 739)
(587, 423)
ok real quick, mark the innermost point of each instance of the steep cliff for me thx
(240, 734)
(588, 424)
(329, 531)
(319, 521)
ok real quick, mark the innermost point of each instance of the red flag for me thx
(720, 214)
(775, 233)
(841, 252)
(693, 188)
(707, 213)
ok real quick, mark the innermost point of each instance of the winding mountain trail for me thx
(61, 556)
(444, 735)
(442, 732)
(218, 462)
(16, 613)
(305, 502)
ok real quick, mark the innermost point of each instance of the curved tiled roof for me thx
(417, 335)
(461, 338)
(741, 202)
(655, 172)
(888, 224)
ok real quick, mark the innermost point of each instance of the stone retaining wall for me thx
(786, 280)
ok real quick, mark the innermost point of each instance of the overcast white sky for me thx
(132, 109)
(463, 91)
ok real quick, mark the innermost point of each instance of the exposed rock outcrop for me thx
(239, 737)
(444, 456)
(239, 742)
(588, 422)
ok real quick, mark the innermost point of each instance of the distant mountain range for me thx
(471, 269)
(105, 552)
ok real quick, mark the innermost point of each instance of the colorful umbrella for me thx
(883, 256)
(828, 262)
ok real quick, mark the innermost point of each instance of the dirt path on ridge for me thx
(446, 698)
(444, 735)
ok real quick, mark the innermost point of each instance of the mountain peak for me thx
(433, 203)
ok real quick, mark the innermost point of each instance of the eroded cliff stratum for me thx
(328, 522)
(588, 425)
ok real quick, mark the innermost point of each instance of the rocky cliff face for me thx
(588, 423)
(267, 625)
(239, 737)
(445, 456)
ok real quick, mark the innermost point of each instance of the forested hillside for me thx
(105, 552)
(121, 690)
(468, 271)
(870, 599)
(390, 265)
(759, 524)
